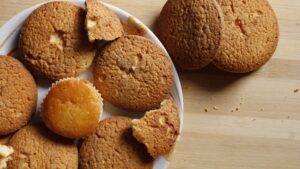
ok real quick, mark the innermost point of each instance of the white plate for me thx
(8, 42)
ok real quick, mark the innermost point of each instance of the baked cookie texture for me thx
(250, 37)
(133, 73)
(101, 23)
(72, 108)
(18, 95)
(158, 129)
(36, 147)
(191, 30)
(112, 146)
(53, 42)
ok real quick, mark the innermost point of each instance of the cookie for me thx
(53, 42)
(18, 95)
(191, 30)
(112, 146)
(158, 129)
(72, 108)
(133, 73)
(101, 23)
(5, 155)
(250, 35)
(36, 147)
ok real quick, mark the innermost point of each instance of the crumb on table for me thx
(216, 108)
(206, 110)
(296, 90)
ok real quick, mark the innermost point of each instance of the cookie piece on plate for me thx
(53, 41)
(72, 108)
(101, 23)
(18, 95)
(250, 37)
(191, 30)
(158, 129)
(36, 147)
(113, 146)
(133, 73)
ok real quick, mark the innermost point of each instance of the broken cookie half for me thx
(158, 129)
(101, 23)
(5, 155)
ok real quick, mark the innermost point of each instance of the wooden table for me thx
(252, 121)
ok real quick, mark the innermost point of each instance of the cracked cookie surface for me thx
(133, 73)
(53, 41)
(158, 129)
(36, 147)
(18, 95)
(250, 37)
(112, 146)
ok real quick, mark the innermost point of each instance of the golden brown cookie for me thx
(158, 129)
(53, 41)
(133, 73)
(18, 95)
(191, 30)
(250, 35)
(101, 23)
(72, 108)
(36, 147)
(112, 146)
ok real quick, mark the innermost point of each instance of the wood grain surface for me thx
(232, 121)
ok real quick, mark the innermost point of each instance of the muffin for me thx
(133, 73)
(72, 108)
(18, 95)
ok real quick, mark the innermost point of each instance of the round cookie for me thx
(112, 146)
(53, 41)
(191, 30)
(101, 23)
(72, 108)
(158, 129)
(133, 73)
(36, 147)
(18, 95)
(250, 35)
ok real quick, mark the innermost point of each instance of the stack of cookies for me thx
(58, 42)
(237, 36)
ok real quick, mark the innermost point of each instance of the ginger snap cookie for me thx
(191, 30)
(36, 147)
(18, 95)
(158, 129)
(112, 146)
(133, 73)
(250, 37)
(72, 108)
(101, 23)
(53, 42)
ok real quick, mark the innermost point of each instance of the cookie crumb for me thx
(237, 109)
(206, 110)
(296, 90)
(216, 108)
